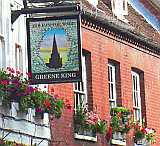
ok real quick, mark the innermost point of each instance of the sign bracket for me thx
(60, 8)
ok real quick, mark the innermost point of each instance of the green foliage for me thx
(12, 83)
(121, 119)
(142, 132)
(9, 143)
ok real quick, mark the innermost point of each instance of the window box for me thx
(85, 137)
(142, 142)
(84, 133)
(119, 135)
(119, 138)
(118, 142)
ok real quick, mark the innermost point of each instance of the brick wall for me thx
(102, 47)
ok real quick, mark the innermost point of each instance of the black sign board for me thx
(54, 49)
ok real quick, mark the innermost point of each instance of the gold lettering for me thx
(73, 75)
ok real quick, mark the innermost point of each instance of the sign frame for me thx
(49, 73)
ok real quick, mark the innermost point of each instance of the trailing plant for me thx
(13, 83)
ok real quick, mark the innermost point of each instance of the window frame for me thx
(113, 72)
(18, 58)
(80, 88)
(136, 91)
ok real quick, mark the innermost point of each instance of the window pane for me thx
(112, 85)
(136, 96)
(80, 88)
(112, 91)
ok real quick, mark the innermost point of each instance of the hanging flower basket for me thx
(13, 87)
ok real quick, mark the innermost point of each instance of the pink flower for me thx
(39, 110)
(57, 95)
(0, 142)
(54, 99)
(18, 94)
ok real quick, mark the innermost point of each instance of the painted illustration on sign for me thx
(54, 46)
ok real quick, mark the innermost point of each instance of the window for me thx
(80, 88)
(136, 96)
(18, 59)
(1, 17)
(112, 85)
(113, 4)
(119, 7)
(124, 5)
(3, 53)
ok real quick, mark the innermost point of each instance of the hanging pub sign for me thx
(54, 49)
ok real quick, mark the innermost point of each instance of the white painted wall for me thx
(93, 2)
(14, 118)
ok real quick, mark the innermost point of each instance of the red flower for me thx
(5, 82)
(52, 89)
(139, 127)
(12, 70)
(149, 138)
(45, 86)
(21, 74)
(144, 130)
(84, 110)
(127, 125)
(35, 89)
(120, 114)
(29, 75)
(17, 72)
(47, 103)
(9, 69)
(131, 111)
(110, 129)
(67, 100)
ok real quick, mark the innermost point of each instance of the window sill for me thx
(139, 144)
(118, 142)
(85, 137)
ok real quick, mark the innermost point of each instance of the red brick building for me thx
(127, 52)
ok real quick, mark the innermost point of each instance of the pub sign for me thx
(54, 49)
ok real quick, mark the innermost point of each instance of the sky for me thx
(146, 13)
(60, 38)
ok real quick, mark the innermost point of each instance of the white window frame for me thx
(18, 58)
(136, 97)
(80, 89)
(118, 5)
(112, 82)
